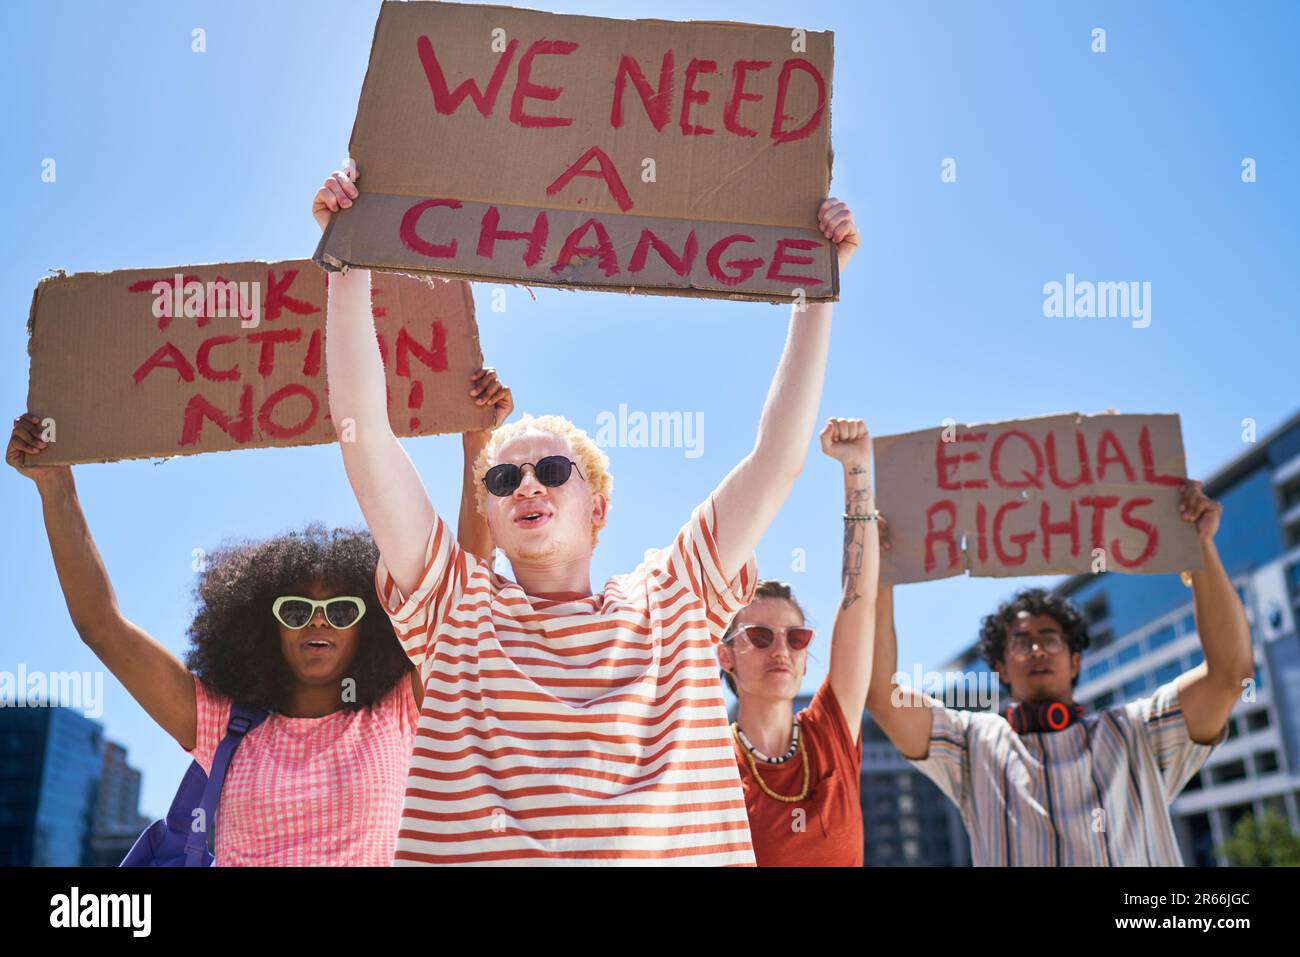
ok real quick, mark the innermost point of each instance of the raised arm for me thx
(472, 528)
(904, 714)
(853, 639)
(154, 676)
(387, 487)
(1208, 692)
(754, 491)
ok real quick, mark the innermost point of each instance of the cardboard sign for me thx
(172, 361)
(637, 155)
(1061, 494)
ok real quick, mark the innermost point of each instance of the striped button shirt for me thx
(572, 732)
(1094, 794)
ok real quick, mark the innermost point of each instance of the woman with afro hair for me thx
(290, 625)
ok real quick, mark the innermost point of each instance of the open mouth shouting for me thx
(531, 516)
(316, 643)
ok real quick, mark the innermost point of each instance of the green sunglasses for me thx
(295, 612)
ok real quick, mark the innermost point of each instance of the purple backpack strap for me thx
(242, 720)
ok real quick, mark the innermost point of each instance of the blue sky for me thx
(1123, 165)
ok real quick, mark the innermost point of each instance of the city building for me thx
(117, 821)
(67, 797)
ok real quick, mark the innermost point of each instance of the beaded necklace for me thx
(796, 747)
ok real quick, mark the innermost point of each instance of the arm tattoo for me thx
(857, 501)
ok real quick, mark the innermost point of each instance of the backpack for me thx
(176, 841)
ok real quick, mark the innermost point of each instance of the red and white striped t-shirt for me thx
(590, 731)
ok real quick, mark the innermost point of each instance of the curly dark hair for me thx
(767, 588)
(235, 640)
(1035, 601)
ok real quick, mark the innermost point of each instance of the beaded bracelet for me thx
(861, 518)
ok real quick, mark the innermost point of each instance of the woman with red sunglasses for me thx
(289, 625)
(801, 772)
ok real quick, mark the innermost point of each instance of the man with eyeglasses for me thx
(1051, 785)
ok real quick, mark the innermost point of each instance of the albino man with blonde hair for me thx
(562, 725)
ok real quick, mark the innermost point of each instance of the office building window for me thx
(1196, 783)
(1130, 652)
(1236, 813)
(1195, 658)
(1168, 672)
(1290, 495)
(1293, 579)
(1266, 762)
(1104, 700)
(1161, 637)
(1227, 773)
(1257, 720)
(1096, 669)
(1135, 687)
(1096, 609)
(1189, 624)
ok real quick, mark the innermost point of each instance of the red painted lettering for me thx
(434, 357)
(278, 298)
(269, 339)
(779, 259)
(1099, 504)
(489, 234)
(202, 360)
(198, 408)
(945, 463)
(447, 102)
(1034, 479)
(744, 267)
(690, 96)
(1023, 539)
(782, 90)
(525, 88)
(1149, 473)
(607, 172)
(681, 265)
(603, 250)
(658, 105)
(1085, 470)
(730, 113)
(167, 356)
(276, 431)
(943, 536)
(1117, 454)
(1132, 521)
(410, 237)
(1069, 526)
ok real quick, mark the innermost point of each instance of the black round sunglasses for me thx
(551, 471)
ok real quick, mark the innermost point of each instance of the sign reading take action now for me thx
(157, 362)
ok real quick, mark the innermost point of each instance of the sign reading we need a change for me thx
(158, 362)
(1061, 494)
(637, 155)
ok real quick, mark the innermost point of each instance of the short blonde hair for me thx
(593, 463)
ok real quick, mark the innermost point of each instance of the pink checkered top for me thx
(311, 791)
